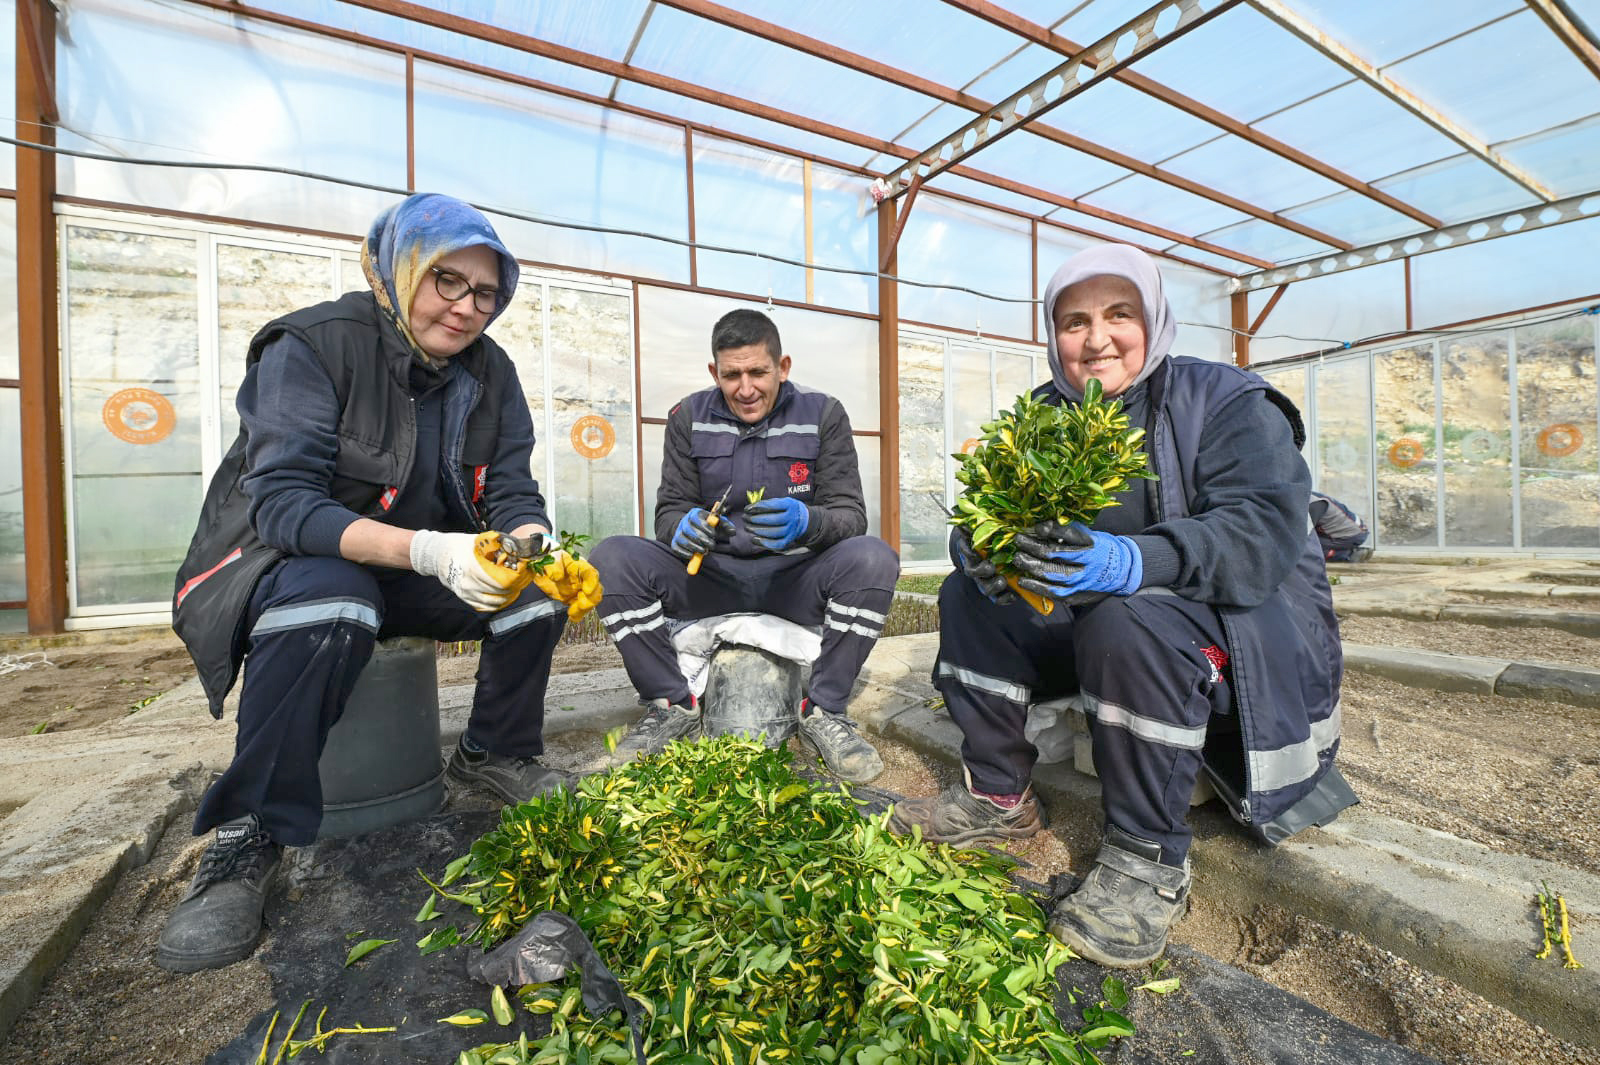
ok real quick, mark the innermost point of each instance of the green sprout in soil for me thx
(1040, 463)
(759, 917)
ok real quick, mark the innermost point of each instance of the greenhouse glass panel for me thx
(682, 109)
(162, 81)
(971, 396)
(1344, 440)
(351, 278)
(1500, 108)
(1014, 376)
(1280, 68)
(1564, 159)
(1113, 114)
(1510, 273)
(8, 76)
(753, 200)
(653, 445)
(922, 449)
(1557, 420)
(8, 288)
(950, 243)
(547, 156)
(1359, 130)
(255, 286)
(990, 194)
(1265, 240)
(1099, 231)
(13, 559)
(132, 345)
(591, 397)
(869, 463)
(1009, 74)
(1330, 312)
(1160, 204)
(843, 235)
(1405, 442)
(1475, 411)
(1255, 175)
(1030, 159)
(1459, 189)
(1383, 33)
(1353, 218)
(1202, 309)
(520, 331)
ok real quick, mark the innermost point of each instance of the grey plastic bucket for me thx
(381, 765)
(751, 692)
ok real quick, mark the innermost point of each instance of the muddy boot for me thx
(662, 723)
(514, 779)
(219, 921)
(1120, 914)
(958, 817)
(833, 738)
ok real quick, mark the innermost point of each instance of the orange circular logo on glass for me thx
(593, 437)
(1405, 452)
(139, 416)
(1560, 440)
(970, 445)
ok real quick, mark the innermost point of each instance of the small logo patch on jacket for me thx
(798, 473)
(1218, 659)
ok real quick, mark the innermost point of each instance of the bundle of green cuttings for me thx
(1039, 463)
(761, 919)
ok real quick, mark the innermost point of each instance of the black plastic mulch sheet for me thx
(347, 890)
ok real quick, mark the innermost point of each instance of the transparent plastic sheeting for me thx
(831, 353)
(1349, 305)
(1479, 439)
(955, 243)
(504, 145)
(8, 287)
(13, 579)
(173, 82)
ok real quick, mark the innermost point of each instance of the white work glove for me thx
(453, 558)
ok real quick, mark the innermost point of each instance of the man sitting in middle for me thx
(799, 552)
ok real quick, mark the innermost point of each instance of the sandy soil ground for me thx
(1519, 776)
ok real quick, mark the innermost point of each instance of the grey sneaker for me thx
(960, 818)
(514, 779)
(219, 921)
(833, 738)
(1121, 913)
(662, 723)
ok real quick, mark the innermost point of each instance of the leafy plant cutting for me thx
(1038, 463)
(757, 917)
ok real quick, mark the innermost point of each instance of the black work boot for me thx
(833, 738)
(219, 921)
(958, 817)
(662, 723)
(515, 779)
(1120, 914)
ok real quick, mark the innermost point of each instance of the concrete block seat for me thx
(381, 765)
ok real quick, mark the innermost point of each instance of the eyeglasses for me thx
(452, 287)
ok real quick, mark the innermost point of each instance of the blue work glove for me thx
(980, 569)
(695, 534)
(1067, 561)
(776, 524)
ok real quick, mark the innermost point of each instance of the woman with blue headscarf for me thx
(379, 434)
(1193, 620)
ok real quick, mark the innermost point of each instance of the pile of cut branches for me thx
(759, 917)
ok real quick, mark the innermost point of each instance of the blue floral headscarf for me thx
(408, 239)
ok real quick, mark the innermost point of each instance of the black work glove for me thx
(1046, 554)
(980, 569)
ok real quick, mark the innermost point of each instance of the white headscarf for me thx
(1133, 265)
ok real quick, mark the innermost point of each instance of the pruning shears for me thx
(711, 522)
(513, 553)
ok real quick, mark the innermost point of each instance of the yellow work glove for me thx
(458, 561)
(572, 581)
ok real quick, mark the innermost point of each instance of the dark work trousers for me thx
(845, 589)
(1152, 675)
(311, 626)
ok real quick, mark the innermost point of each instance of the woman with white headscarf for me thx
(1194, 618)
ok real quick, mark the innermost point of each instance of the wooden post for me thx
(1241, 323)
(44, 527)
(889, 379)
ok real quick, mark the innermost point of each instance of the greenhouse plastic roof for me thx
(1241, 134)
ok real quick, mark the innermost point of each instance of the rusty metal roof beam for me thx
(1134, 38)
(521, 42)
(1504, 224)
(1565, 24)
(1038, 34)
(861, 64)
(1365, 71)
